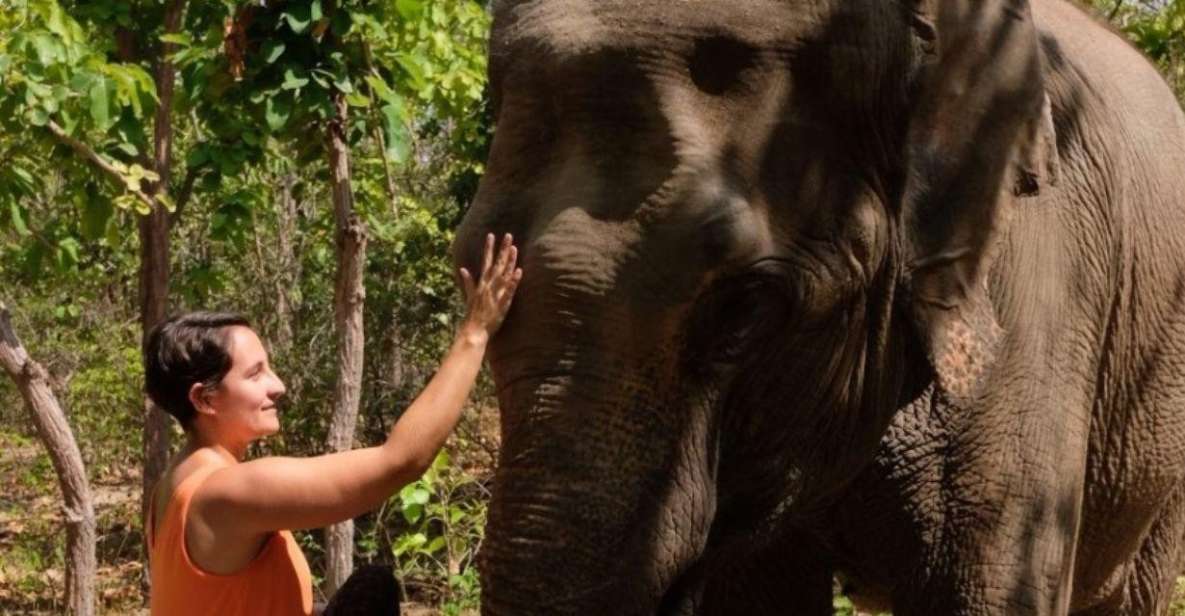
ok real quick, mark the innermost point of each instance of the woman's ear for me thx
(198, 397)
(979, 100)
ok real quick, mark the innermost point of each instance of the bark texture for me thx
(154, 248)
(78, 506)
(287, 265)
(349, 297)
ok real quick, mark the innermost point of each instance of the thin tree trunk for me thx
(154, 249)
(348, 299)
(287, 267)
(78, 507)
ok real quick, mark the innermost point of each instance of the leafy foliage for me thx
(254, 88)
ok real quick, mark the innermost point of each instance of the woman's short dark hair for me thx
(183, 350)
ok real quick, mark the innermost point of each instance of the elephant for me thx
(890, 292)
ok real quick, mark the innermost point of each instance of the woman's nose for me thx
(277, 389)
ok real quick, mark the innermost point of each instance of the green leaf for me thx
(395, 134)
(272, 50)
(322, 77)
(294, 79)
(357, 99)
(411, 66)
(298, 18)
(96, 212)
(18, 220)
(68, 252)
(409, 10)
(341, 81)
(100, 103)
(315, 10)
(412, 513)
(38, 117)
(418, 496)
(381, 89)
(197, 157)
(277, 112)
(435, 545)
(48, 48)
(183, 39)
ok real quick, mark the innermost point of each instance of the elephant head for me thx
(742, 225)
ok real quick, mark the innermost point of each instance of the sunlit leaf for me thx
(294, 79)
(100, 103)
(183, 39)
(409, 10)
(272, 50)
(18, 219)
(395, 133)
(68, 248)
(357, 99)
(277, 111)
(38, 117)
(298, 18)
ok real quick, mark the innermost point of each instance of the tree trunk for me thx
(348, 299)
(154, 250)
(287, 266)
(78, 507)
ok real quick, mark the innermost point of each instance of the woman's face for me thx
(244, 403)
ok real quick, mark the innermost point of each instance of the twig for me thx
(98, 161)
(1115, 10)
(186, 191)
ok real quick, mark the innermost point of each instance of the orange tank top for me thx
(276, 583)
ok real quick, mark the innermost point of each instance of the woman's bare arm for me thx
(277, 493)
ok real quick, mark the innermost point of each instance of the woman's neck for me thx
(232, 452)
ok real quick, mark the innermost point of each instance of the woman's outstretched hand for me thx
(488, 298)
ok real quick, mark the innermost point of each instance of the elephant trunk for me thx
(600, 500)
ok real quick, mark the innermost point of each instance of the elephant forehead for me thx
(578, 26)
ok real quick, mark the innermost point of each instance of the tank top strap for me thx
(178, 507)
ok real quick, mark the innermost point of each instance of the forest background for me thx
(303, 162)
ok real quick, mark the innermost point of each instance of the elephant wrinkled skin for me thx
(891, 290)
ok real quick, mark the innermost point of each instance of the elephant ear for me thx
(977, 128)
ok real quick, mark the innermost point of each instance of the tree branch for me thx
(186, 191)
(1115, 10)
(98, 161)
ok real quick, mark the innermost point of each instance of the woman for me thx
(219, 526)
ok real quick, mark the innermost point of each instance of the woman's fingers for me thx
(489, 297)
(487, 258)
(511, 286)
(511, 260)
(467, 283)
(503, 255)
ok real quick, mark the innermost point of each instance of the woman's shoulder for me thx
(181, 469)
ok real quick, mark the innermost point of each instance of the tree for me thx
(326, 66)
(55, 433)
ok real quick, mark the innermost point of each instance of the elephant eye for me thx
(718, 64)
(736, 316)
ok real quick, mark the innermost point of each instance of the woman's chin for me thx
(270, 424)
